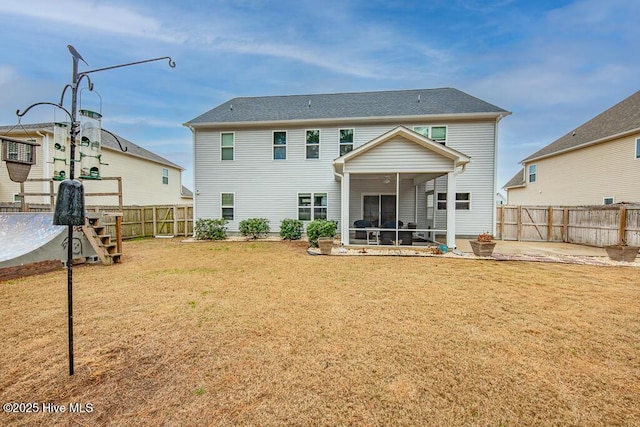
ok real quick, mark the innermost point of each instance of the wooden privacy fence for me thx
(137, 221)
(587, 225)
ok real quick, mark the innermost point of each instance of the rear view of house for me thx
(424, 159)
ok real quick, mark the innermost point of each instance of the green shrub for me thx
(211, 229)
(320, 228)
(291, 229)
(254, 228)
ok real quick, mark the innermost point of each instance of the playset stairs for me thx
(101, 242)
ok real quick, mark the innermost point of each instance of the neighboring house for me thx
(426, 157)
(147, 178)
(500, 199)
(597, 163)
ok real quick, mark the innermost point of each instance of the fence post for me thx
(519, 224)
(622, 229)
(550, 224)
(565, 225)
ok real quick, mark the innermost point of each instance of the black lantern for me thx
(19, 156)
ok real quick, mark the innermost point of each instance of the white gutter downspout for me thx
(196, 192)
(45, 165)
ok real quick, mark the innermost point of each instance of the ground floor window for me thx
(463, 201)
(607, 200)
(227, 206)
(312, 206)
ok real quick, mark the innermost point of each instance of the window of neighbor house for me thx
(280, 145)
(346, 141)
(638, 148)
(313, 144)
(226, 146)
(463, 201)
(312, 206)
(16, 197)
(436, 133)
(227, 206)
(607, 200)
(533, 172)
(165, 176)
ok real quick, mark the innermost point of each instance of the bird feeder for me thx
(90, 144)
(61, 142)
(69, 203)
(19, 156)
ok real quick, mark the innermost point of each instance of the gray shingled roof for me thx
(622, 117)
(402, 103)
(108, 141)
(516, 181)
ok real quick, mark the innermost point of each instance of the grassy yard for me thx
(260, 333)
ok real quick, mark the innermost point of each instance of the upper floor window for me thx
(533, 173)
(346, 141)
(280, 145)
(313, 144)
(436, 133)
(165, 176)
(638, 148)
(226, 146)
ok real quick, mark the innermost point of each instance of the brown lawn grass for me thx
(241, 333)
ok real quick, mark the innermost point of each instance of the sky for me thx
(553, 63)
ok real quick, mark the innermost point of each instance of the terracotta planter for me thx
(483, 249)
(622, 253)
(325, 244)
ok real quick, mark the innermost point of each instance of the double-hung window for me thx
(279, 145)
(346, 141)
(313, 143)
(436, 133)
(533, 172)
(226, 146)
(227, 206)
(463, 201)
(638, 148)
(312, 206)
(165, 176)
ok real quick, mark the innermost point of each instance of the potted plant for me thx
(483, 245)
(321, 233)
(622, 252)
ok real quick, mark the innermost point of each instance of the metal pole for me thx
(72, 155)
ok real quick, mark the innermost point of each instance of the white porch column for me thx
(451, 210)
(344, 205)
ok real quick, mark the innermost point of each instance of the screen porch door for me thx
(379, 208)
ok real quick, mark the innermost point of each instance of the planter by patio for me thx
(483, 249)
(622, 252)
(325, 244)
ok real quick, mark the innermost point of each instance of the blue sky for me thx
(553, 64)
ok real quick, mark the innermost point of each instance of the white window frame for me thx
(273, 142)
(605, 199)
(638, 149)
(439, 200)
(165, 176)
(232, 206)
(534, 173)
(312, 207)
(307, 144)
(17, 198)
(232, 147)
(429, 134)
(345, 144)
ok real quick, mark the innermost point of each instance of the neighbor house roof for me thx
(365, 105)
(615, 122)
(108, 141)
(516, 181)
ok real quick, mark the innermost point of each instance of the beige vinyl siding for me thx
(585, 176)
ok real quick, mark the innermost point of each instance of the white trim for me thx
(353, 141)
(227, 206)
(604, 200)
(312, 206)
(528, 173)
(233, 146)
(306, 144)
(430, 136)
(637, 147)
(274, 145)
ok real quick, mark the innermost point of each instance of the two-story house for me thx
(146, 177)
(425, 158)
(596, 163)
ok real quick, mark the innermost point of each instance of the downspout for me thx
(196, 192)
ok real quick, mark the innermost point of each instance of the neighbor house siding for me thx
(584, 176)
